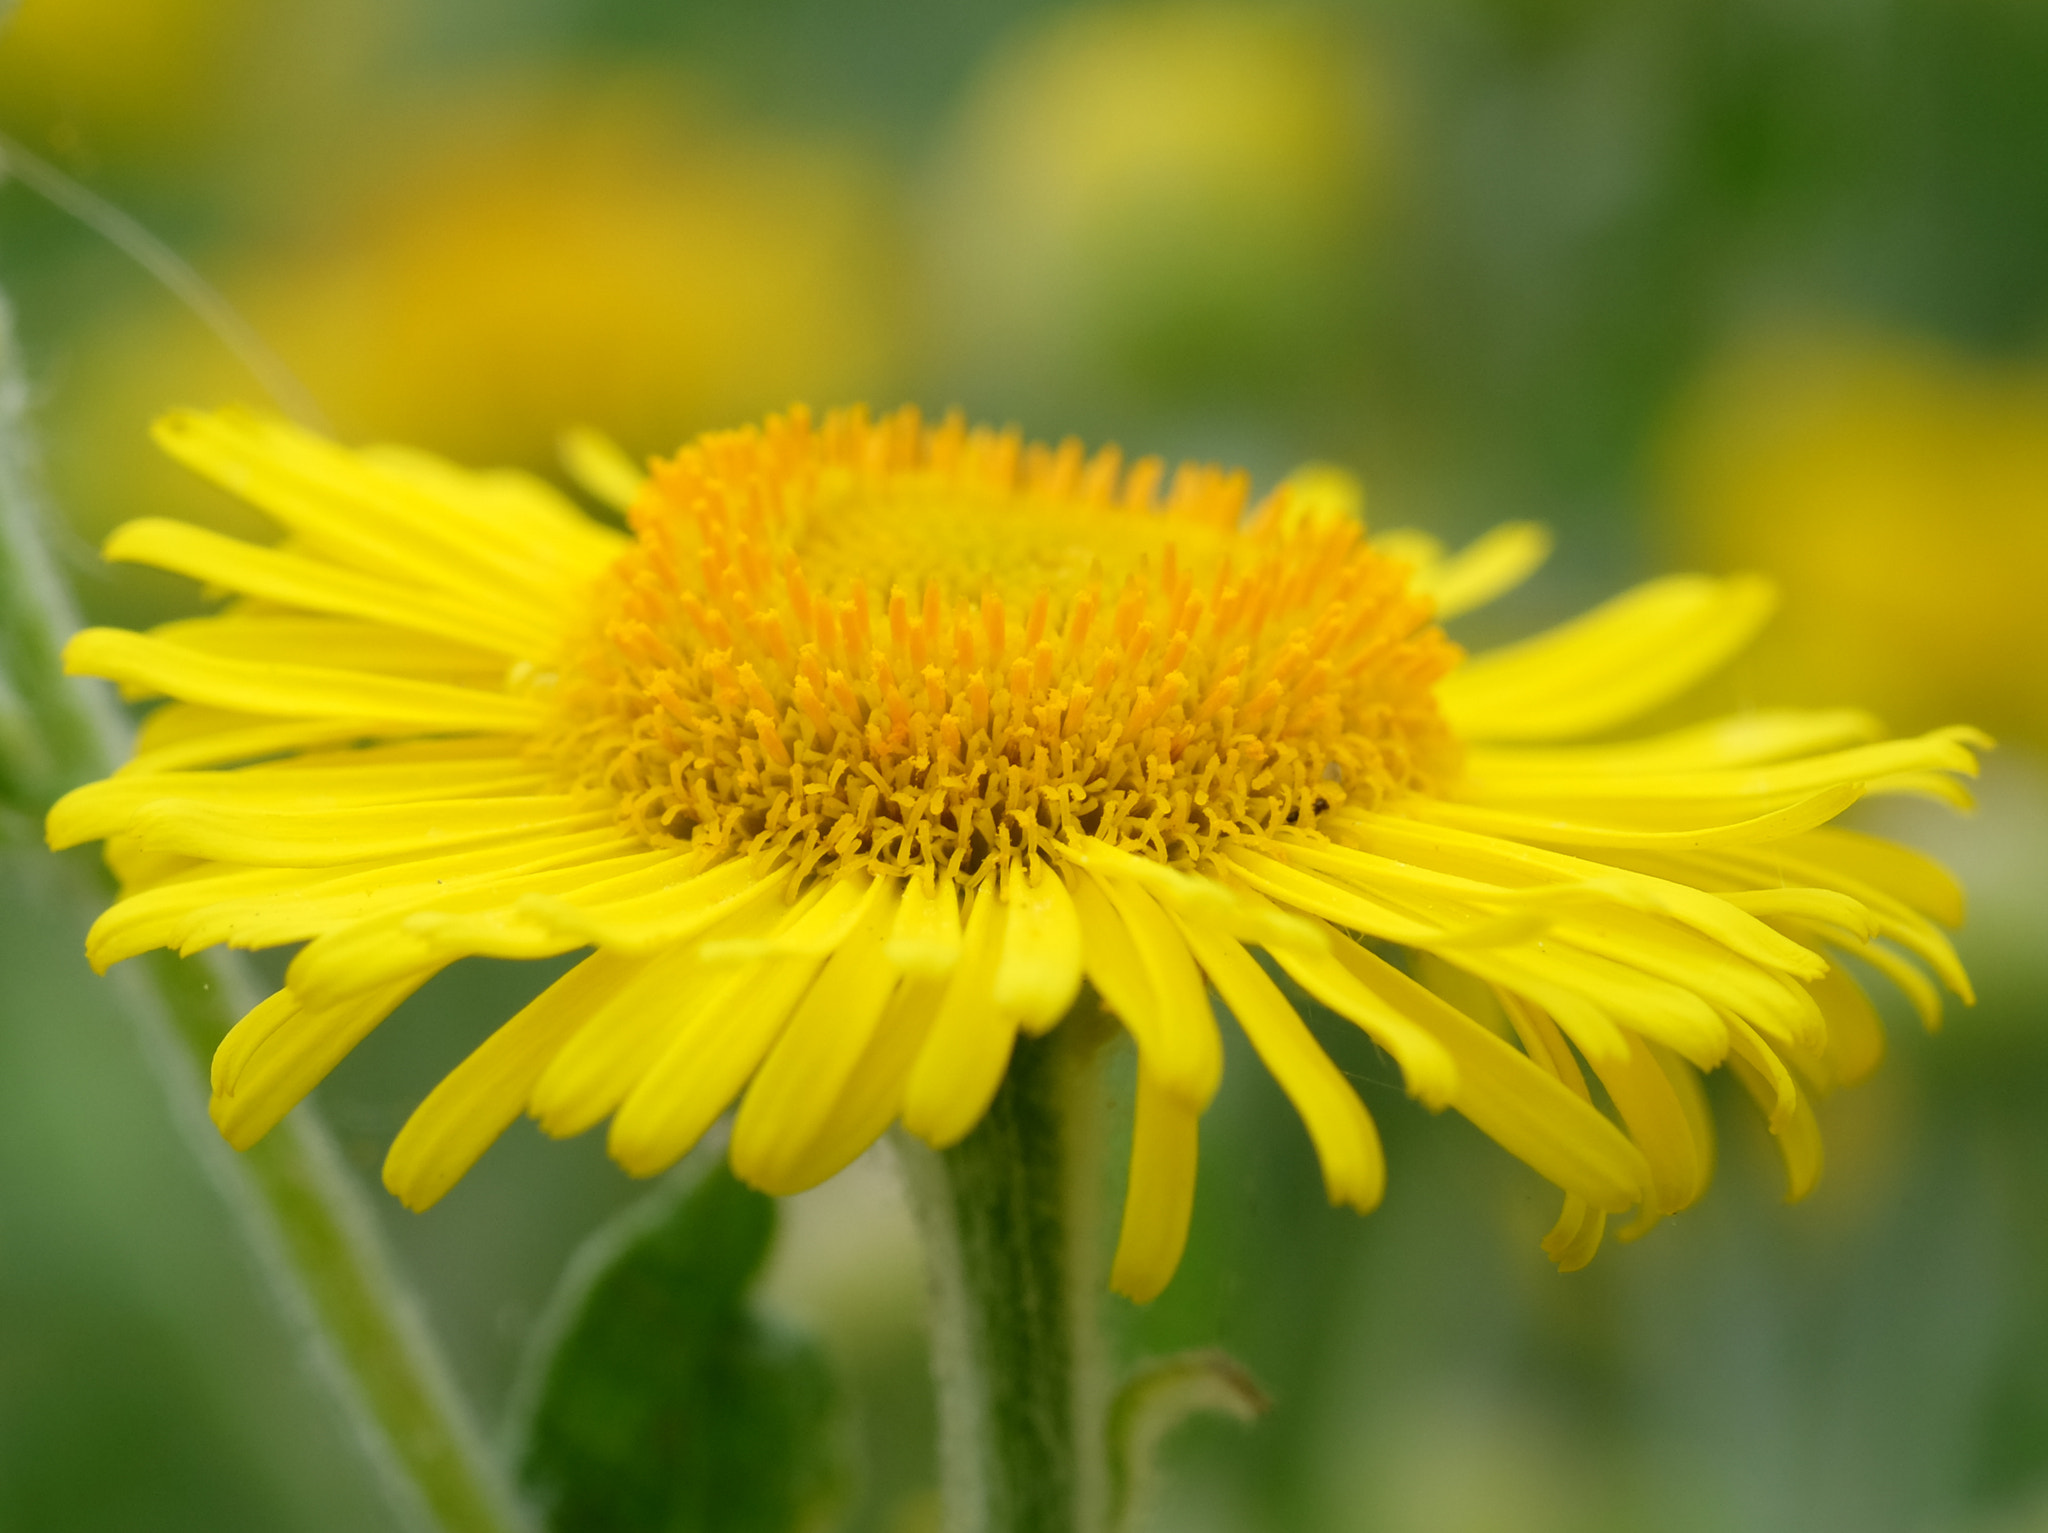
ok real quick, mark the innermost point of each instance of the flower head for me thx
(880, 737)
(1896, 489)
(1142, 195)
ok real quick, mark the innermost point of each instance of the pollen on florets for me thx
(923, 649)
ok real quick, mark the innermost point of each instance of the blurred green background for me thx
(1729, 283)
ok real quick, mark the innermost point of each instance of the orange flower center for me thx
(1068, 645)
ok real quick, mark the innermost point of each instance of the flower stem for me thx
(295, 1200)
(1008, 1217)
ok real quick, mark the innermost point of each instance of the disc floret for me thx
(1067, 646)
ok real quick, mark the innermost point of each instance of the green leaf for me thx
(1157, 1397)
(664, 1402)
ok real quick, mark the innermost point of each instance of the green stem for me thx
(54, 732)
(304, 1215)
(1008, 1217)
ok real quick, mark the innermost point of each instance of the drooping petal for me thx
(1525, 1109)
(624, 1034)
(968, 1044)
(1146, 974)
(1855, 1045)
(707, 1063)
(1039, 974)
(478, 1100)
(1159, 1198)
(1348, 1146)
(814, 1057)
(871, 1096)
(1795, 1130)
(286, 1046)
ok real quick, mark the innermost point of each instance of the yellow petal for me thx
(1765, 785)
(1736, 825)
(599, 1063)
(477, 1100)
(1527, 1110)
(346, 643)
(1614, 663)
(1920, 994)
(1301, 890)
(221, 737)
(262, 907)
(1224, 906)
(316, 585)
(1692, 1101)
(598, 1067)
(1771, 1082)
(873, 1092)
(1906, 875)
(1493, 858)
(1347, 1145)
(812, 1060)
(706, 1064)
(527, 524)
(108, 807)
(289, 1049)
(1856, 1043)
(292, 691)
(489, 918)
(228, 831)
(1488, 567)
(1575, 1238)
(1426, 1065)
(847, 903)
(601, 468)
(397, 514)
(1895, 919)
(1039, 974)
(926, 937)
(1739, 739)
(968, 1046)
(1143, 969)
(1661, 1125)
(634, 918)
(1827, 907)
(1159, 1199)
(1797, 1131)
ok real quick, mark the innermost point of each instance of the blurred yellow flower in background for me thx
(604, 252)
(1899, 492)
(1127, 182)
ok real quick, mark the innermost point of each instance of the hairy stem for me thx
(1008, 1217)
(304, 1216)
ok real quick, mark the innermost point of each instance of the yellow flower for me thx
(1135, 189)
(879, 737)
(1900, 493)
(455, 301)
